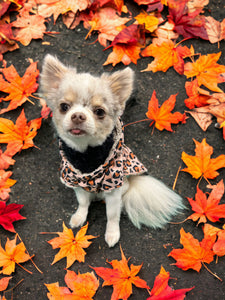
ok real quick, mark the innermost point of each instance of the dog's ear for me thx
(121, 85)
(52, 73)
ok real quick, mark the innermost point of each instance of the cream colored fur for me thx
(146, 200)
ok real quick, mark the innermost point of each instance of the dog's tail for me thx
(150, 202)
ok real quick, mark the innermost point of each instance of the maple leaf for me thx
(5, 159)
(121, 277)
(219, 246)
(202, 165)
(167, 54)
(29, 27)
(18, 88)
(83, 287)
(12, 255)
(127, 45)
(71, 246)
(5, 184)
(55, 8)
(150, 22)
(162, 116)
(207, 71)
(21, 133)
(188, 24)
(195, 98)
(161, 290)
(4, 283)
(108, 23)
(164, 33)
(194, 253)
(215, 29)
(9, 214)
(208, 208)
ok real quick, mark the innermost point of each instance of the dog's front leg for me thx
(84, 200)
(113, 209)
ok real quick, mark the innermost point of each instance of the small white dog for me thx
(95, 161)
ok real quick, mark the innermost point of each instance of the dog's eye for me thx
(99, 112)
(64, 107)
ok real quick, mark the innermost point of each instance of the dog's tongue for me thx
(76, 131)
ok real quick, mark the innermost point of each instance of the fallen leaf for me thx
(107, 22)
(4, 283)
(195, 98)
(12, 255)
(151, 22)
(18, 88)
(166, 55)
(55, 8)
(5, 184)
(162, 116)
(29, 27)
(164, 33)
(71, 247)
(208, 208)
(121, 277)
(219, 246)
(189, 25)
(207, 71)
(194, 253)
(83, 287)
(9, 214)
(21, 133)
(215, 29)
(161, 290)
(202, 165)
(204, 120)
(6, 159)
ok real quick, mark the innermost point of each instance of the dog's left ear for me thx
(121, 84)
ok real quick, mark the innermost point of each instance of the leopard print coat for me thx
(121, 162)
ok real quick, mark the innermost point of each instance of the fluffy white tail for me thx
(150, 202)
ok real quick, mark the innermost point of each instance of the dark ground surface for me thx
(47, 203)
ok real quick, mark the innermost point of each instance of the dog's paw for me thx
(77, 220)
(112, 236)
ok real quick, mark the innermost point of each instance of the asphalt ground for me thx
(47, 203)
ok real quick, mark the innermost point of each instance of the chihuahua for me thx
(94, 159)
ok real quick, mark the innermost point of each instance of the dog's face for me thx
(85, 108)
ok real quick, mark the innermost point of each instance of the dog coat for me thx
(121, 162)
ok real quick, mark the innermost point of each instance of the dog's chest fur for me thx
(90, 159)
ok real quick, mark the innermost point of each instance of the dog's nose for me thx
(78, 117)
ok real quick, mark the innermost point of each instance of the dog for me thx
(95, 161)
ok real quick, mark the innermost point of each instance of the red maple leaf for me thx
(162, 291)
(208, 208)
(9, 214)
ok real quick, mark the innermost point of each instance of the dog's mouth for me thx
(77, 131)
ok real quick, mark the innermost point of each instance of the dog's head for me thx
(85, 108)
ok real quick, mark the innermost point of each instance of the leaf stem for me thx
(128, 124)
(211, 272)
(175, 181)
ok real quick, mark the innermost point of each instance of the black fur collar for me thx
(92, 158)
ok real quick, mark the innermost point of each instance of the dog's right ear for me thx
(52, 73)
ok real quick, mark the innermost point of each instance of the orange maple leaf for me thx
(202, 165)
(194, 253)
(161, 290)
(71, 246)
(195, 98)
(12, 255)
(208, 208)
(162, 116)
(5, 184)
(29, 27)
(18, 88)
(83, 287)
(207, 71)
(21, 133)
(121, 277)
(55, 8)
(167, 54)
(108, 23)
